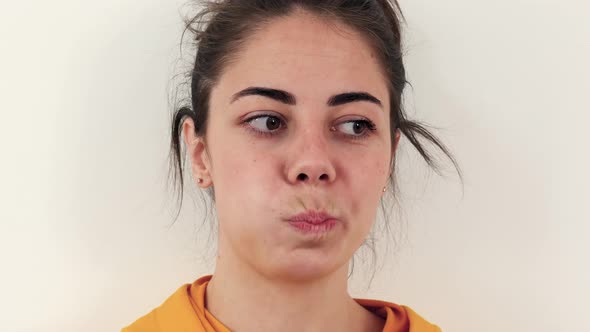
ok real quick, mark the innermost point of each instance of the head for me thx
(295, 107)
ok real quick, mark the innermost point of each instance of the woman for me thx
(293, 128)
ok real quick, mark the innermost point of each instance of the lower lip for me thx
(309, 228)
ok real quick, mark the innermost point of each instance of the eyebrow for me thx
(289, 99)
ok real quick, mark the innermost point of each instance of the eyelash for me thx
(369, 125)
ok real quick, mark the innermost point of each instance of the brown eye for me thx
(356, 127)
(265, 123)
(272, 123)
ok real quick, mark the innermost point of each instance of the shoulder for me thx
(176, 309)
(398, 317)
(418, 323)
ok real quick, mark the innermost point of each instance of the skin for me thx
(268, 275)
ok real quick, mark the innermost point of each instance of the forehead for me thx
(303, 54)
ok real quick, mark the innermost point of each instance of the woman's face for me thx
(273, 156)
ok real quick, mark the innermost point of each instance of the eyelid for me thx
(260, 114)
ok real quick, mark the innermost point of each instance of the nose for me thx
(310, 161)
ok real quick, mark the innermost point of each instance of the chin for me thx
(306, 267)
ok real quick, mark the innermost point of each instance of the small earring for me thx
(199, 180)
(383, 189)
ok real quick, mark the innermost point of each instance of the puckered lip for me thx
(312, 217)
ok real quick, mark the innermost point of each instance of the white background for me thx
(84, 214)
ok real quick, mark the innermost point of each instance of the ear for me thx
(398, 134)
(198, 154)
(394, 147)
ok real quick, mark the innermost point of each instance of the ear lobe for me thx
(197, 152)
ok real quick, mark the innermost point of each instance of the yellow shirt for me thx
(185, 311)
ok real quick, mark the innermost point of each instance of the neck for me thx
(245, 301)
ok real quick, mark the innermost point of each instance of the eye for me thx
(264, 124)
(357, 128)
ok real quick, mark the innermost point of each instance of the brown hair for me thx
(221, 28)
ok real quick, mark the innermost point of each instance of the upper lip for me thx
(312, 217)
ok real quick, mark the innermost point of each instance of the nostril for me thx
(324, 177)
(302, 177)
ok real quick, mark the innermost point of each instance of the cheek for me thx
(368, 172)
(368, 178)
(237, 162)
(248, 206)
(247, 175)
(245, 181)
